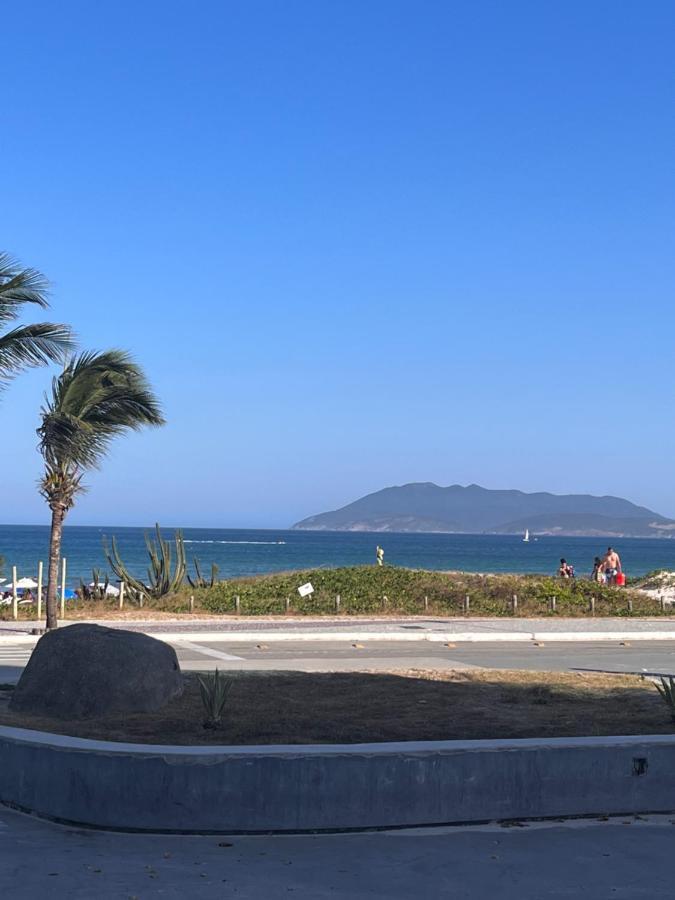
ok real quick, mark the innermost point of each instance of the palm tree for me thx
(28, 345)
(97, 397)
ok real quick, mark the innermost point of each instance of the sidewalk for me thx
(452, 630)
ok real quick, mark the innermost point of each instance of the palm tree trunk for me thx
(58, 515)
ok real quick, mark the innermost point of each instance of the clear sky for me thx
(354, 243)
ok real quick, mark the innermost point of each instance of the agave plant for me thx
(214, 690)
(667, 692)
(164, 577)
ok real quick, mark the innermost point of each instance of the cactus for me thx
(99, 588)
(199, 581)
(163, 577)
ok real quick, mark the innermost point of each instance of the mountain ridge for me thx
(428, 507)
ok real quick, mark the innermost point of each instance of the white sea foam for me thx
(187, 541)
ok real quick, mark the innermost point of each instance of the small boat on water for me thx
(526, 538)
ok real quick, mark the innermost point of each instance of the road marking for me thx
(207, 651)
(15, 653)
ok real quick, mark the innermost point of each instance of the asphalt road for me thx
(628, 858)
(198, 654)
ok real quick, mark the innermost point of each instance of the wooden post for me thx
(39, 597)
(63, 588)
(426, 603)
(592, 606)
(121, 595)
(192, 603)
(237, 604)
(467, 603)
(337, 603)
(15, 596)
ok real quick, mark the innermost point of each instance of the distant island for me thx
(473, 509)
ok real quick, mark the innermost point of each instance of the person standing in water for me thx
(379, 554)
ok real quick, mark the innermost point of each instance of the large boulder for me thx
(82, 671)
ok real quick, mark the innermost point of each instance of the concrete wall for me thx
(297, 788)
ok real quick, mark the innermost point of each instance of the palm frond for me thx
(97, 397)
(33, 345)
(18, 286)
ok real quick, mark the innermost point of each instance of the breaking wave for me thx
(187, 541)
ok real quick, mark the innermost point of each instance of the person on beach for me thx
(598, 573)
(611, 565)
(566, 570)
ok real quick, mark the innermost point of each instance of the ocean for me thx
(249, 552)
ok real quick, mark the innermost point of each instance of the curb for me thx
(331, 787)
(442, 637)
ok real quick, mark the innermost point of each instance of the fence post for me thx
(337, 603)
(514, 604)
(15, 596)
(237, 604)
(121, 595)
(192, 603)
(426, 603)
(39, 597)
(63, 588)
(467, 603)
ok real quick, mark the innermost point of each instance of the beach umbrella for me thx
(22, 584)
(111, 590)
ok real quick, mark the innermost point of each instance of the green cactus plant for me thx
(163, 576)
(199, 581)
(98, 589)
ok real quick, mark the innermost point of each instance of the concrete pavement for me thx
(626, 858)
(412, 628)
(199, 653)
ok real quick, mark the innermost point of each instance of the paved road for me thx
(199, 654)
(621, 859)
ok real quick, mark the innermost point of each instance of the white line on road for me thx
(207, 651)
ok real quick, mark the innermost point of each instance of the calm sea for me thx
(254, 552)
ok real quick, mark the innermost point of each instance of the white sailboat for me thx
(526, 539)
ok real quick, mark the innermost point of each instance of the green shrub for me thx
(381, 590)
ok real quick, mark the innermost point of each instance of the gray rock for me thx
(83, 671)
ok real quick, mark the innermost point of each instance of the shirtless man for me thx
(611, 565)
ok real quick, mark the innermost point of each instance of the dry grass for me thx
(290, 708)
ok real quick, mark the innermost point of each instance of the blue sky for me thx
(355, 244)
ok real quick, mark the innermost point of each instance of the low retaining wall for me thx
(331, 787)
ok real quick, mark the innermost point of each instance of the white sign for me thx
(306, 589)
